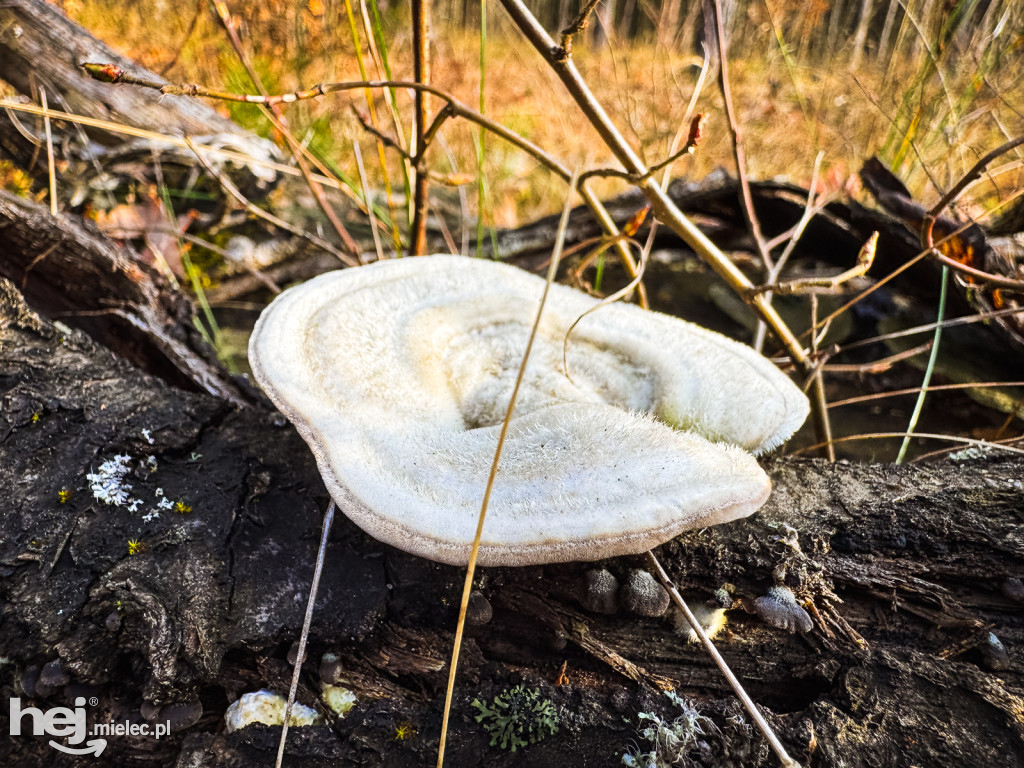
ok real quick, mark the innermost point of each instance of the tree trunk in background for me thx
(861, 35)
(884, 41)
(836, 28)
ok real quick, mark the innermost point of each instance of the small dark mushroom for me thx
(52, 677)
(599, 591)
(29, 680)
(780, 609)
(994, 655)
(182, 714)
(293, 654)
(643, 595)
(331, 671)
(479, 610)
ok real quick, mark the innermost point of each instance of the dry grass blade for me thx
(304, 636)
(474, 552)
(50, 166)
(228, 186)
(364, 183)
(619, 294)
(748, 703)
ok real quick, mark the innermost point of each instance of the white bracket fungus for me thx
(398, 375)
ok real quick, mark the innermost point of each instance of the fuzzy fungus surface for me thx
(398, 376)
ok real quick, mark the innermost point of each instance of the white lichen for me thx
(108, 482)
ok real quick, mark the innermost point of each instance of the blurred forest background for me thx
(928, 85)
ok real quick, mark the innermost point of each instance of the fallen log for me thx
(905, 571)
(70, 272)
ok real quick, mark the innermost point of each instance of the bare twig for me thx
(306, 623)
(421, 74)
(696, 133)
(748, 703)
(737, 141)
(973, 174)
(578, 25)
(865, 258)
(912, 435)
(112, 74)
(811, 208)
(914, 390)
(277, 117)
(258, 212)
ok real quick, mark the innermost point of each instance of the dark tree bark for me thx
(905, 570)
(73, 273)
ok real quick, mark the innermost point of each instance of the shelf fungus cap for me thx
(398, 375)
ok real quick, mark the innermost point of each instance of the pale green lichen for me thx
(517, 717)
(678, 742)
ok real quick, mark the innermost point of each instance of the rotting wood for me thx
(914, 558)
(72, 273)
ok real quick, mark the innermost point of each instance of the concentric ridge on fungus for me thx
(398, 375)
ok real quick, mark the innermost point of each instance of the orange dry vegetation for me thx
(788, 113)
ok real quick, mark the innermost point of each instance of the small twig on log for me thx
(865, 258)
(734, 683)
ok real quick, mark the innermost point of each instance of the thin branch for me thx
(112, 74)
(974, 174)
(915, 390)
(664, 207)
(734, 683)
(696, 133)
(255, 210)
(306, 623)
(912, 435)
(421, 74)
(277, 117)
(737, 140)
(811, 209)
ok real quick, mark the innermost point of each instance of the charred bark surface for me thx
(904, 570)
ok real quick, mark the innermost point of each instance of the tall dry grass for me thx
(929, 85)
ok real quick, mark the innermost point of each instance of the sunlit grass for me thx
(933, 111)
